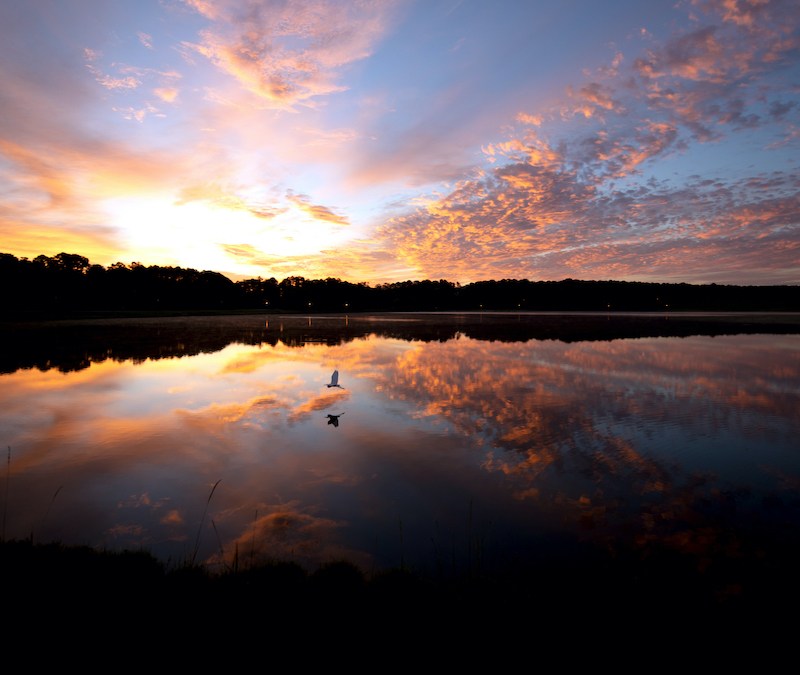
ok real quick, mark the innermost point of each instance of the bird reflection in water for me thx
(334, 419)
(334, 380)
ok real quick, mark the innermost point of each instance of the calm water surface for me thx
(210, 440)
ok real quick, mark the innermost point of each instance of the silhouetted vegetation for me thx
(68, 284)
(601, 591)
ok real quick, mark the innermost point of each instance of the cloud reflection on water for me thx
(446, 444)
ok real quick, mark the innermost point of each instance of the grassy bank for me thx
(588, 608)
(571, 580)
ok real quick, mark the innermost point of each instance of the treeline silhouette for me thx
(68, 283)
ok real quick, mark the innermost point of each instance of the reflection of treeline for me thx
(75, 345)
(69, 283)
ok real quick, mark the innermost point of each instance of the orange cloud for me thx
(167, 94)
(594, 96)
(288, 56)
(316, 211)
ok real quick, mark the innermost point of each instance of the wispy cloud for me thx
(289, 54)
(316, 211)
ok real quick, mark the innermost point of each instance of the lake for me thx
(454, 443)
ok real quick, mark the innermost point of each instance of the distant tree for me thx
(69, 262)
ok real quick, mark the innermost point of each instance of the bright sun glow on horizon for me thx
(166, 231)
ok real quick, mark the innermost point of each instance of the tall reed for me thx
(202, 521)
(5, 498)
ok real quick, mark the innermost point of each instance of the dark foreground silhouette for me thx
(581, 594)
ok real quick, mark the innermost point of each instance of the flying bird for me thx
(335, 380)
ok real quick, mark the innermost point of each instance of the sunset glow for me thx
(166, 232)
(400, 139)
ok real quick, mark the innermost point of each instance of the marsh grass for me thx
(5, 497)
(202, 522)
(580, 591)
(570, 583)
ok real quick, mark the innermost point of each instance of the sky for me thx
(377, 141)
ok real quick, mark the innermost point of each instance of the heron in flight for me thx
(334, 380)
